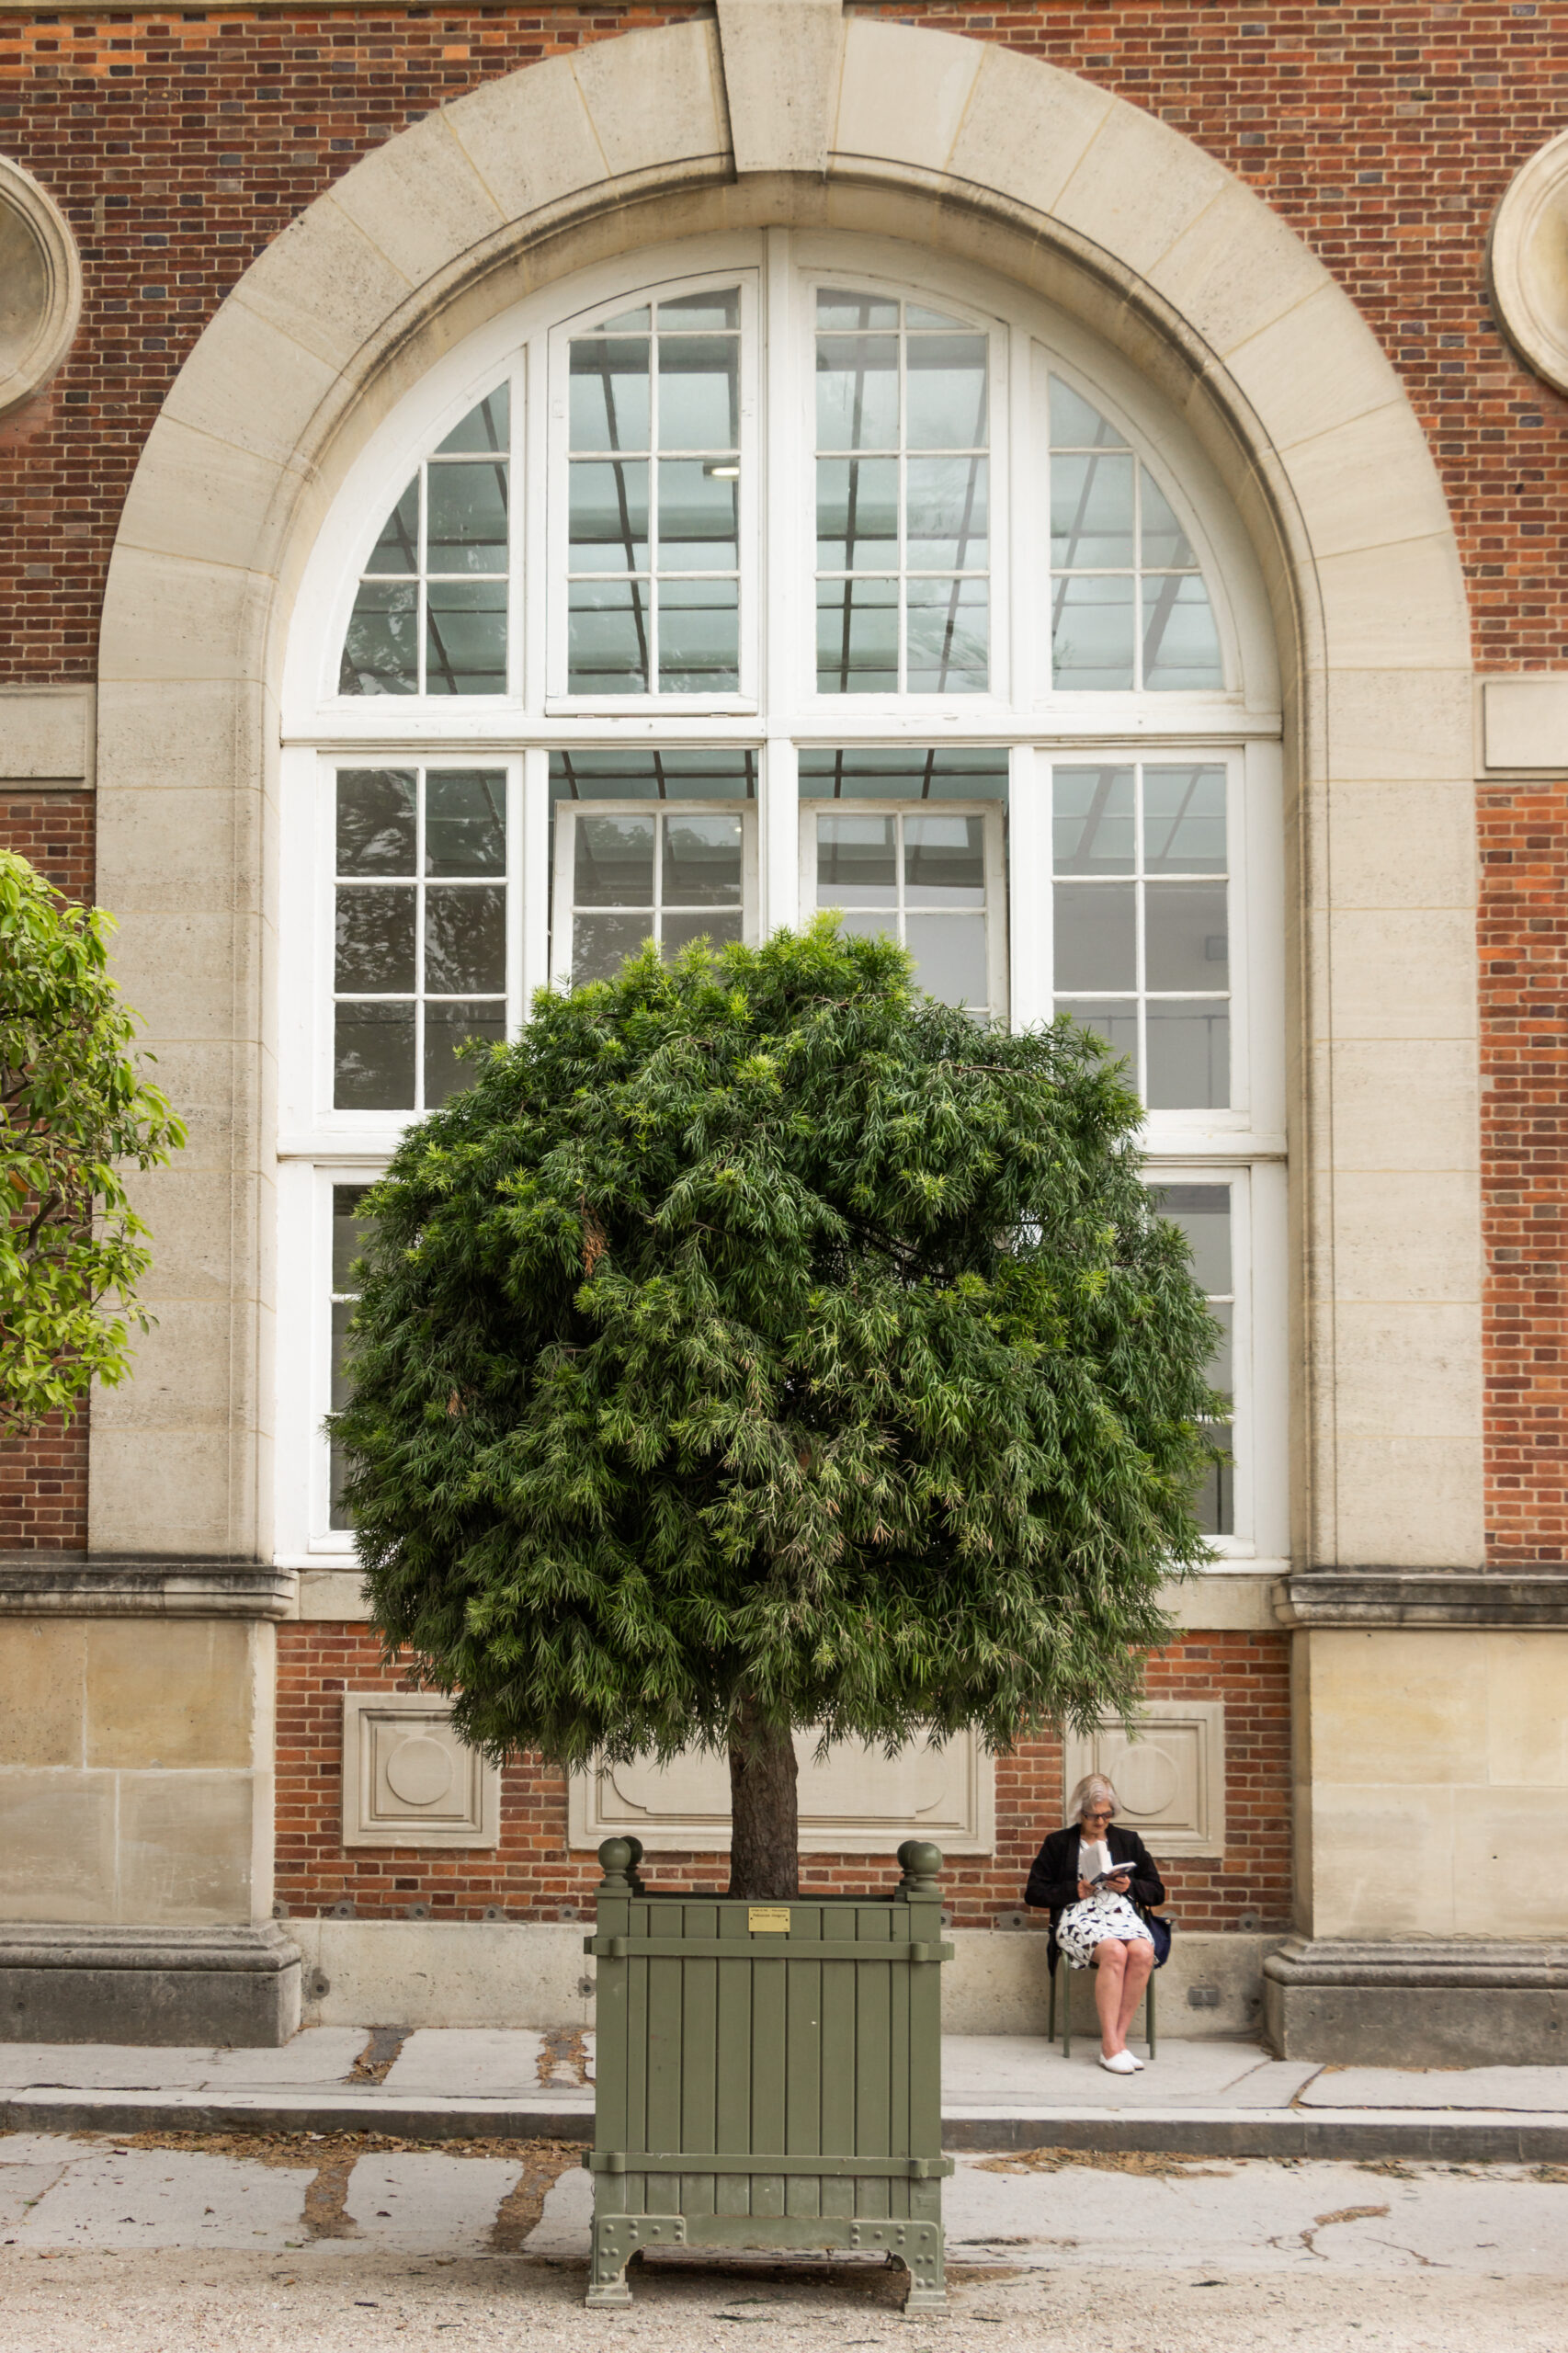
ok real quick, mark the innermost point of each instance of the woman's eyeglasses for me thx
(1099, 1813)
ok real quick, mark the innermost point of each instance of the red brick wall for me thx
(1524, 975)
(532, 1875)
(43, 1479)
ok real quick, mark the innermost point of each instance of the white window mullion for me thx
(1030, 909)
(783, 906)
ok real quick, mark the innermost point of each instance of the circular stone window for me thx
(41, 286)
(1527, 262)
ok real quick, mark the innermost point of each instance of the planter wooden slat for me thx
(797, 2049)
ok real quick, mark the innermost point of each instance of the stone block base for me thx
(1453, 2004)
(149, 1985)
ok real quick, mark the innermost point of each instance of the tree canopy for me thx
(74, 1112)
(758, 1333)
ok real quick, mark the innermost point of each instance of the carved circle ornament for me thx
(1527, 262)
(41, 286)
(420, 1772)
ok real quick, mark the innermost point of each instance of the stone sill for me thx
(42, 1585)
(1374, 1597)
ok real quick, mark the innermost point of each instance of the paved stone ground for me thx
(274, 2241)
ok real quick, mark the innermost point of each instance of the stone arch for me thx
(788, 113)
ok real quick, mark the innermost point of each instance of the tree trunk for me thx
(763, 1821)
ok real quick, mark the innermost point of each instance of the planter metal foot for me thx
(617, 2239)
(920, 2247)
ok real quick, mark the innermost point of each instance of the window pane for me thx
(485, 428)
(608, 514)
(858, 391)
(629, 322)
(1166, 547)
(600, 943)
(701, 862)
(680, 930)
(1203, 1214)
(465, 637)
(1181, 644)
(699, 636)
(609, 403)
(375, 938)
(836, 308)
(719, 308)
(946, 521)
(381, 651)
(613, 863)
(1094, 932)
(397, 548)
(465, 518)
(698, 526)
(1189, 1055)
(1186, 945)
(858, 514)
(857, 862)
(1213, 1504)
(944, 861)
(699, 389)
(445, 1027)
(1091, 820)
(949, 622)
(949, 957)
(946, 392)
(676, 774)
(1116, 1023)
(606, 637)
(920, 772)
(338, 1396)
(375, 821)
(1183, 821)
(1091, 512)
(373, 1058)
(465, 822)
(465, 938)
(1075, 426)
(857, 636)
(1091, 638)
(349, 1235)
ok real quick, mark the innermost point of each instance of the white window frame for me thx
(562, 899)
(780, 714)
(670, 708)
(993, 816)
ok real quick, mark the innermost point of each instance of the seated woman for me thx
(1098, 1927)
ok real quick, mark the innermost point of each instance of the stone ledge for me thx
(1418, 1963)
(1448, 2002)
(140, 1586)
(1375, 1597)
(216, 1985)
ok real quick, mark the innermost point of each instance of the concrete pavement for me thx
(999, 2092)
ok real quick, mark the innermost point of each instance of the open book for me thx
(1096, 1865)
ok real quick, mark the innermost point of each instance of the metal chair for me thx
(1052, 1955)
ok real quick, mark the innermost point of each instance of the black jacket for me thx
(1054, 1882)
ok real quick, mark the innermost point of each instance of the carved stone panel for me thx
(408, 1780)
(857, 1802)
(1169, 1776)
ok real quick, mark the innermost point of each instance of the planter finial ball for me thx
(922, 1865)
(616, 1856)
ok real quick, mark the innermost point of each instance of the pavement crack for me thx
(326, 2214)
(517, 2215)
(564, 2056)
(1340, 2214)
(381, 2052)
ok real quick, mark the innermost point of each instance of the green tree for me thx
(74, 1113)
(758, 1344)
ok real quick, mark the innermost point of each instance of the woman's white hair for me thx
(1092, 1786)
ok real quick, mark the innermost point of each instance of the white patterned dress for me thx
(1095, 1918)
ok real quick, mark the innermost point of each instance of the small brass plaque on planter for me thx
(768, 1919)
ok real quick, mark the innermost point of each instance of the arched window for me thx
(752, 576)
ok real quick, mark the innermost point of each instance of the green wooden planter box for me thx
(768, 2075)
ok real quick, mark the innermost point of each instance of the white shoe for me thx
(1121, 2063)
(1137, 2062)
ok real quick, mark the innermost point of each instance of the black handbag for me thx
(1161, 1932)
